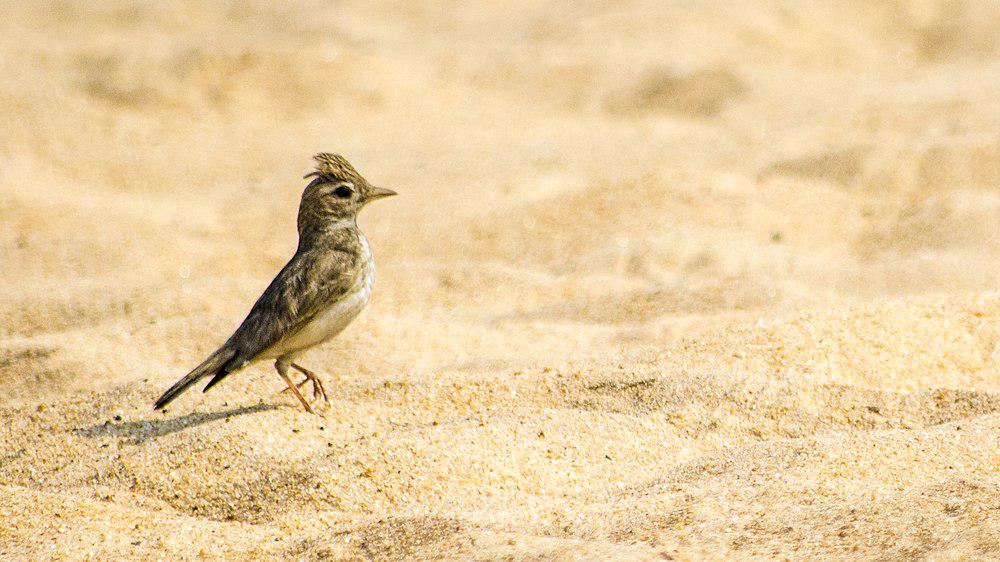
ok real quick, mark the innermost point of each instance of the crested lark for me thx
(318, 292)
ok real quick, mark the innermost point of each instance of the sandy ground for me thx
(666, 280)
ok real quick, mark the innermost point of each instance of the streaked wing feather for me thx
(309, 283)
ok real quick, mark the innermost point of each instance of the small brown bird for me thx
(318, 292)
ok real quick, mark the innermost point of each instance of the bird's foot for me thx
(319, 391)
(295, 390)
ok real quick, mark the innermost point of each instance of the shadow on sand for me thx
(142, 430)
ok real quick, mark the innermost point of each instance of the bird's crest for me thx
(334, 167)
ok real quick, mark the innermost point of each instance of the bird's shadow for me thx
(140, 431)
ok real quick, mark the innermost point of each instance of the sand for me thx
(688, 280)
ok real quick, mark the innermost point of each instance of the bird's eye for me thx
(342, 192)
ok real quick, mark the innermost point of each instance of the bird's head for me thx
(336, 193)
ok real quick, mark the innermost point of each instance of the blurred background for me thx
(648, 166)
(596, 187)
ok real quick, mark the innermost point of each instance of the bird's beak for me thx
(379, 193)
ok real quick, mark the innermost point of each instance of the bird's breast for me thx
(339, 314)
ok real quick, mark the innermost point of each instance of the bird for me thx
(322, 288)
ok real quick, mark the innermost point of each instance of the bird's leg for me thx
(318, 390)
(298, 384)
(282, 369)
(304, 381)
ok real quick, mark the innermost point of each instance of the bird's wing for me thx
(309, 283)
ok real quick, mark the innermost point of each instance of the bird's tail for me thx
(217, 364)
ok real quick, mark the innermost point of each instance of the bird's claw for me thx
(319, 391)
